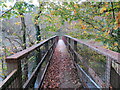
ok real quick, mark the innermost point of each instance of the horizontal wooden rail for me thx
(114, 55)
(112, 61)
(15, 62)
(36, 71)
(5, 83)
(90, 70)
(23, 53)
(45, 70)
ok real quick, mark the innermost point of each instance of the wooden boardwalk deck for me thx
(63, 69)
(61, 72)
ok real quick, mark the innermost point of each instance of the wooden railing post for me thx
(115, 75)
(25, 70)
(46, 49)
(12, 65)
(57, 38)
(75, 48)
(69, 42)
(46, 46)
(107, 73)
(38, 55)
(51, 42)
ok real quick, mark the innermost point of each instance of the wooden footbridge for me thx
(63, 63)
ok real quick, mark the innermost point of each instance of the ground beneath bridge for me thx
(61, 72)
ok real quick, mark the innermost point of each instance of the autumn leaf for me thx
(107, 13)
(106, 33)
(84, 32)
(96, 36)
(18, 23)
(83, 27)
(115, 44)
(17, 16)
(105, 46)
(21, 16)
(75, 12)
(115, 28)
(103, 29)
(118, 19)
(102, 9)
(75, 5)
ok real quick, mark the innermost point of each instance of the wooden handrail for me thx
(90, 70)
(8, 79)
(35, 72)
(103, 51)
(14, 79)
(112, 58)
(23, 53)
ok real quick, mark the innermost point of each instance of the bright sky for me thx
(35, 2)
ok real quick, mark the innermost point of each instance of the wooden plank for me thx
(103, 51)
(23, 53)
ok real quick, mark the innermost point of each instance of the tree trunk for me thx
(23, 29)
(38, 31)
(38, 34)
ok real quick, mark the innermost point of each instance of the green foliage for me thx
(98, 19)
(19, 7)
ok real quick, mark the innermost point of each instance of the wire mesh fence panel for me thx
(41, 71)
(38, 74)
(102, 65)
(28, 64)
(93, 59)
